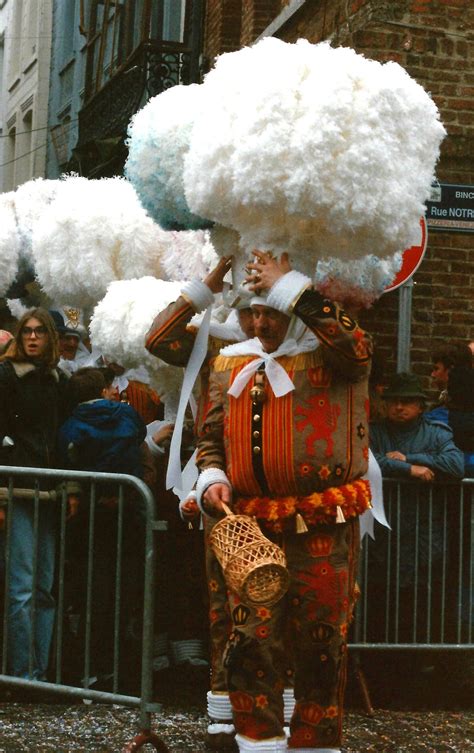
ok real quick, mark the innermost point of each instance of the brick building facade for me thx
(434, 41)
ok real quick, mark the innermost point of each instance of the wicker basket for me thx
(254, 567)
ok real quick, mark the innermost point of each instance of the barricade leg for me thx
(146, 738)
(359, 675)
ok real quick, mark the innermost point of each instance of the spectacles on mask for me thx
(36, 331)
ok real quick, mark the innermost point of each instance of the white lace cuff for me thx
(206, 478)
(154, 448)
(286, 291)
(199, 294)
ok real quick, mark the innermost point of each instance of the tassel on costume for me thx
(301, 526)
(340, 515)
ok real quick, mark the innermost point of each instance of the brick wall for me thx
(256, 15)
(434, 41)
(223, 23)
(232, 24)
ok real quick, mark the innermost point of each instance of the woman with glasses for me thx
(32, 407)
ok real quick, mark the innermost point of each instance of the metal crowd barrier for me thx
(129, 508)
(417, 579)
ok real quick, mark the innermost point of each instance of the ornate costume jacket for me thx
(171, 338)
(312, 439)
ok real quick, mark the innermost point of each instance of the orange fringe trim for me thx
(278, 514)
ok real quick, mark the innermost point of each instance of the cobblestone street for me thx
(427, 718)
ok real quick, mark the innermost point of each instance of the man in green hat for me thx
(408, 444)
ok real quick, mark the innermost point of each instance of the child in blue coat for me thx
(100, 434)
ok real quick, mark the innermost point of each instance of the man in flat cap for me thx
(408, 444)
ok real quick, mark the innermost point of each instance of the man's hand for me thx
(421, 472)
(268, 270)
(395, 455)
(189, 509)
(214, 497)
(215, 278)
(163, 436)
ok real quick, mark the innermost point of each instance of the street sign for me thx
(412, 258)
(451, 207)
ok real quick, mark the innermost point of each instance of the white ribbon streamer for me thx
(377, 512)
(188, 478)
(196, 359)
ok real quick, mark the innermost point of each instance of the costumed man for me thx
(171, 338)
(69, 336)
(285, 439)
(133, 387)
(74, 354)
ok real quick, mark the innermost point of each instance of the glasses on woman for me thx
(36, 331)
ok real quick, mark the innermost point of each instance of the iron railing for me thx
(417, 579)
(130, 509)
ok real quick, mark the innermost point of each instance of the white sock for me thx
(217, 729)
(314, 750)
(288, 704)
(219, 708)
(275, 745)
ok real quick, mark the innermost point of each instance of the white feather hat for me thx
(10, 242)
(94, 232)
(188, 254)
(313, 150)
(123, 317)
(158, 140)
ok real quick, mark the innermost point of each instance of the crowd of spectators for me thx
(62, 406)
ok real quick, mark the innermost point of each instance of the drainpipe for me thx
(196, 40)
(405, 295)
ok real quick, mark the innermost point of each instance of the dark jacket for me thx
(105, 436)
(462, 424)
(32, 407)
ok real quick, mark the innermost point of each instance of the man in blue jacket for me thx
(409, 445)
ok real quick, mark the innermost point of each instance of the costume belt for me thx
(334, 505)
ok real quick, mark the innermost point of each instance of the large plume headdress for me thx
(313, 150)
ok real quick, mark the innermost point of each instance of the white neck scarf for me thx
(298, 339)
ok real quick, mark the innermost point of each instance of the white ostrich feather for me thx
(10, 242)
(359, 282)
(158, 141)
(188, 254)
(17, 307)
(123, 317)
(313, 150)
(94, 232)
(31, 200)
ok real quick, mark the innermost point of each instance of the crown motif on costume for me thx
(322, 633)
(240, 615)
(241, 701)
(319, 546)
(310, 713)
